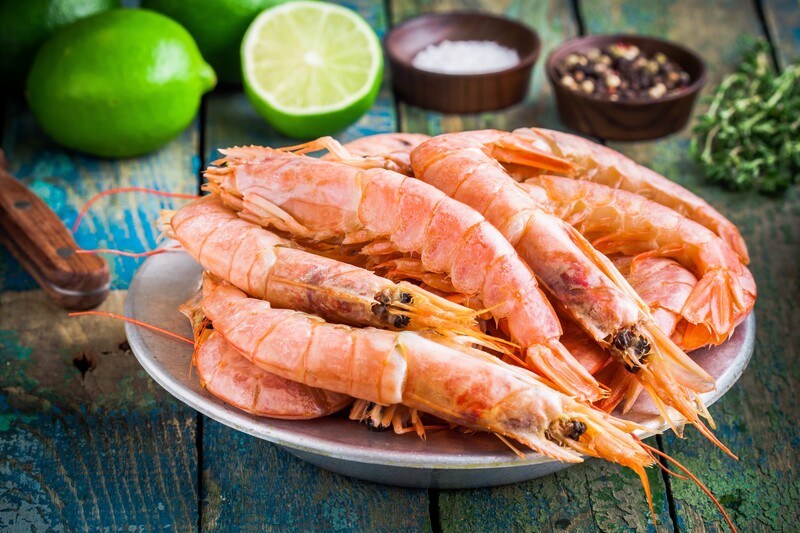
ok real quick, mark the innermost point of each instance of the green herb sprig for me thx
(748, 139)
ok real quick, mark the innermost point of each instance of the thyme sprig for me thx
(748, 139)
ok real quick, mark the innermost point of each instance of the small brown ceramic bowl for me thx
(629, 120)
(460, 93)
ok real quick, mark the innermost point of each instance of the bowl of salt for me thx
(461, 62)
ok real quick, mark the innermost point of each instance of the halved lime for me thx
(311, 68)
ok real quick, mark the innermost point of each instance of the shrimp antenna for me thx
(128, 254)
(693, 478)
(133, 321)
(98, 196)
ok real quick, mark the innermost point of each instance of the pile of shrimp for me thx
(524, 284)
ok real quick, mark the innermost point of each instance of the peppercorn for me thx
(622, 72)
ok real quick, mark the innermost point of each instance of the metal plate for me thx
(447, 459)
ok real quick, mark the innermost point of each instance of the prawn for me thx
(386, 212)
(593, 162)
(266, 266)
(460, 385)
(583, 281)
(617, 221)
(664, 285)
(226, 374)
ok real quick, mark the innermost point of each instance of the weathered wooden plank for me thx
(553, 21)
(783, 20)
(596, 495)
(250, 484)
(760, 491)
(65, 180)
(88, 440)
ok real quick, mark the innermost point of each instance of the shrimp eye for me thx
(401, 321)
(406, 298)
(623, 339)
(383, 297)
(379, 311)
(574, 429)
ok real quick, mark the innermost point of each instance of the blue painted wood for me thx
(106, 447)
(65, 180)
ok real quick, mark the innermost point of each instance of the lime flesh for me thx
(311, 68)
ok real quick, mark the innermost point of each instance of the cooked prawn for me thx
(617, 221)
(583, 281)
(457, 384)
(594, 162)
(269, 267)
(386, 212)
(226, 374)
(664, 285)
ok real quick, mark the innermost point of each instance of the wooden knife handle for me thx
(39, 240)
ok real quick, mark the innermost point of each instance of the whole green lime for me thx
(24, 25)
(118, 84)
(218, 27)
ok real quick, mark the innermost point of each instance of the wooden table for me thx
(88, 440)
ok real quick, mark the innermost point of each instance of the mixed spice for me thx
(622, 72)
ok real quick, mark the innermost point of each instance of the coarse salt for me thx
(465, 57)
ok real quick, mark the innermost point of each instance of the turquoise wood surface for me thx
(88, 441)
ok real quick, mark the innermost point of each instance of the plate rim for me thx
(269, 429)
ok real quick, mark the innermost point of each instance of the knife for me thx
(43, 245)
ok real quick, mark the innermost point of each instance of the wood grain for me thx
(783, 20)
(87, 440)
(760, 490)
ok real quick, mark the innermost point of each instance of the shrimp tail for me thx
(567, 374)
(710, 309)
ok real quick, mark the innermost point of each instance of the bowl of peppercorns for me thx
(625, 87)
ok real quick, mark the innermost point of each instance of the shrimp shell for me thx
(600, 164)
(323, 200)
(269, 267)
(617, 221)
(460, 385)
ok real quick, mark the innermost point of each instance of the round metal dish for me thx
(446, 460)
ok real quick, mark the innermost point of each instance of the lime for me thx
(25, 25)
(217, 26)
(311, 68)
(119, 83)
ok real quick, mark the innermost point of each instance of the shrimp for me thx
(235, 380)
(383, 150)
(269, 267)
(582, 281)
(664, 285)
(386, 212)
(459, 385)
(617, 221)
(597, 163)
